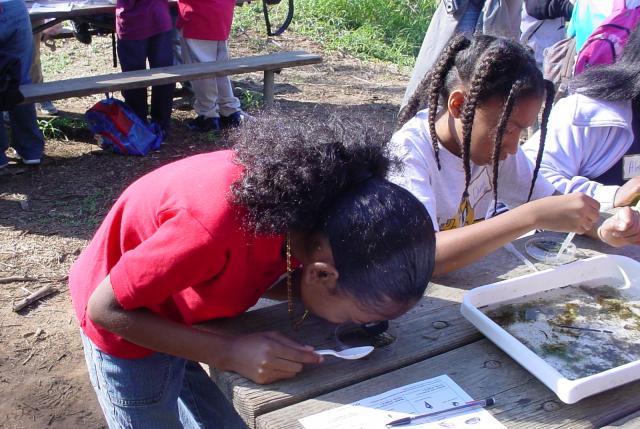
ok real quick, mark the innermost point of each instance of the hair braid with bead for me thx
(548, 104)
(484, 69)
(497, 145)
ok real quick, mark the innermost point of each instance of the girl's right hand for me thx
(575, 212)
(266, 357)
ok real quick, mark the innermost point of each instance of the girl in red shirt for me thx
(302, 206)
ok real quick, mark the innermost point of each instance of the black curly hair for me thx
(617, 81)
(487, 67)
(328, 176)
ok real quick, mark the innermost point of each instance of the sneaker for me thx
(48, 108)
(234, 120)
(35, 161)
(204, 124)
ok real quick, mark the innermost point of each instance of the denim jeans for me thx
(158, 391)
(16, 39)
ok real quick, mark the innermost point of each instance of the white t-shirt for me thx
(441, 190)
(585, 138)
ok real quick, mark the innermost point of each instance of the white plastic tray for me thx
(620, 269)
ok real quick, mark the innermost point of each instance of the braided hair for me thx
(486, 67)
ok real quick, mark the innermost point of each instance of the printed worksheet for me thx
(426, 396)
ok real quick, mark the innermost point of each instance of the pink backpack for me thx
(606, 43)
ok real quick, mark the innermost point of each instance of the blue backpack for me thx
(118, 128)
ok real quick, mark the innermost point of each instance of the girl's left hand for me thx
(621, 229)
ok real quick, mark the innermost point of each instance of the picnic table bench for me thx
(432, 339)
(82, 86)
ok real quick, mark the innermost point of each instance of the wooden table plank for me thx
(632, 421)
(482, 370)
(91, 7)
(417, 339)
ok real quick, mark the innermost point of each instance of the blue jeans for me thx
(133, 55)
(16, 39)
(158, 391)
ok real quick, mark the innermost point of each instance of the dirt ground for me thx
(49, 212)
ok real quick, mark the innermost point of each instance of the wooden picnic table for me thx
(80, 8)
(432, 339)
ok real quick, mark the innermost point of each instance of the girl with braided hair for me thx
(303, 207)
(461, 152)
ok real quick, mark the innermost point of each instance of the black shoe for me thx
(81, 31)
(204, 124)
(234, 120)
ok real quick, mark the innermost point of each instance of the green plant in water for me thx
(557, 349)
(568, 315)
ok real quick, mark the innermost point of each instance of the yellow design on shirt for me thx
(465, 216)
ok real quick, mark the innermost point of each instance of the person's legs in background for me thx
(230, 113)
(16, 39)
(161, 55)
(205, 90)
(133, 56)
(46, 107)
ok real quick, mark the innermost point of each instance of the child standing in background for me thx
(205, 26)
(144, 31)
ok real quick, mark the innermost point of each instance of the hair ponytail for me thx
(294, 170)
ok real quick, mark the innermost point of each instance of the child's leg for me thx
(136, 393)
(161, 55)
(202, 404)
(228, 102)
(205, 90)
(133, 56)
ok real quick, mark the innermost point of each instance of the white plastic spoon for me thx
(352, 353)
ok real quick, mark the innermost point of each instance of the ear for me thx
(321, 275)
(455, 103)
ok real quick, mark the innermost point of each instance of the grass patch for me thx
(388, 30)
(62, 128)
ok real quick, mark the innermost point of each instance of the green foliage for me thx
(250, 99)
(60, 127)
(50, 130)
(389, 30)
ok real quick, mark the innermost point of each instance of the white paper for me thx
(52, 7)
(426, 396)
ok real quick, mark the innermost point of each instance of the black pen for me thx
(487, 402)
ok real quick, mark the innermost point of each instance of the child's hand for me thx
(621, 229)
(266, 357)
(628, 193)
(574, 212)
